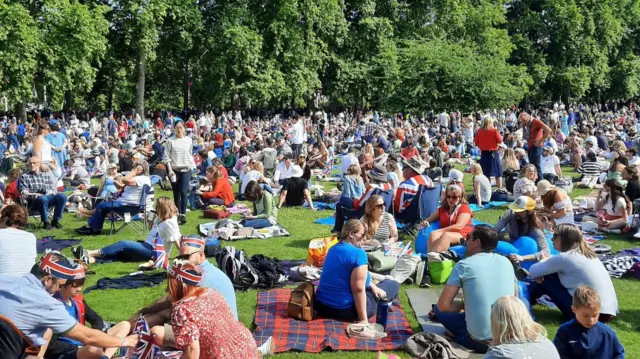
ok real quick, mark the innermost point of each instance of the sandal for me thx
(366, 331)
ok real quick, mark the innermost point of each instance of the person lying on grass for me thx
(62, 347)
(346, 291)
(165, 226)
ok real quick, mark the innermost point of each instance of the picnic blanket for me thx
(131, 281)
(55, 244)
(474, 206)
(290, 334)
(274, 231)
(331, 221)
(321, 205)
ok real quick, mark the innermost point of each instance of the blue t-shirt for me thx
(334, 289)
(484, 277)
(72, 309)
(575, 341)
(214, 278)
(21, 130)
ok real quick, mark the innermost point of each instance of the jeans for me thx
(256, 223)
(391, 287)
(296, 149)
(13, 139)
(181, 190)
(552, 287)
(535, 155)
(128, 251)
(343, 203)
(103, 209)
(216, 201)
(42, 203)
(457, 325)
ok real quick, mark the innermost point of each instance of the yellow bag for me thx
(318, 249)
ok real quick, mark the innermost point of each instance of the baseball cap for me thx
(523, 203)
(455, 176)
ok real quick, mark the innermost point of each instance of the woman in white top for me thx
(42, 148)
(165, 226)
(557, 203)
(515, 334)
(180, 164)
(612, 207)
(526, 185)
(481, 186)
(17, 247)
(255, 172)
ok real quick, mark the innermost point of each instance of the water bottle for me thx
(172, 177)
(383, 313)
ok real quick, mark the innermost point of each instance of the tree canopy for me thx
(392, 55)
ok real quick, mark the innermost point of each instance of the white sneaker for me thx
(637, 235)
(267, 347)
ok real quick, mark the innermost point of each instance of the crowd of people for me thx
(381, 163)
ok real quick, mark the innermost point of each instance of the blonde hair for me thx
(586, 297)
(353, 170)
(509, 161)
(571, 238)
(512, 324)
(165, 208)
(368, 149)
(371, 227)
(487, 123)
(351, 226)
(476, 169)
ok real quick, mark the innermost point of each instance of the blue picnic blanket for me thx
(322, 205)
(474, 207)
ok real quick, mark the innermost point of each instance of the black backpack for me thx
(270, 271)
(446, 168)
(235, 264)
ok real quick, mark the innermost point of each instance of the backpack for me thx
(235, 264)
(300, 305)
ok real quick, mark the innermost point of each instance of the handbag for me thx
(405, 268)
(378, 262)
(215, 214)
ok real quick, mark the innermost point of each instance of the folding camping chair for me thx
(13, 344)
(421, 207)
(28, 202)
(127, 217)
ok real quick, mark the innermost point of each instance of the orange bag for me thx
(318, 249)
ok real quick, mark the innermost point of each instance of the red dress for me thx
(447, 219)
(208, 319)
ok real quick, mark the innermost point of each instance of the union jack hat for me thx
(58, 266)
(189, 276)
(193, 241)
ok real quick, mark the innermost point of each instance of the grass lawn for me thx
(116, 305)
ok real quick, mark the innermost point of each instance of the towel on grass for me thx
(474, 206)
(321, 205)
(206, 229)
(55, 244)
(129, 281)
(314, 336)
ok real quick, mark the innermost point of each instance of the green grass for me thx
(116, 305)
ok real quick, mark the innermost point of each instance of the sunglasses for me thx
(381, 206)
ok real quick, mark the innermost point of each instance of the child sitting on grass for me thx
(584, 336)
(62, 347)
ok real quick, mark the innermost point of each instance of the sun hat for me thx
(296, 171)
(544, 186)
(416, 164)
(378, 173)
(523, 203)
(188, 276)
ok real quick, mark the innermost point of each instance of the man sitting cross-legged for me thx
(484, 277)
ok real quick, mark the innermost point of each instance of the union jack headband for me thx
(189, 276)
(58, 266)
(193, 241)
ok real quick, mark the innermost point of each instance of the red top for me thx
(221, 189)
(535, 131)
(447, 219)
(12, 191)
(409, 152)
(488, 140)
(208, 319)
(191, 124)
(225, 173)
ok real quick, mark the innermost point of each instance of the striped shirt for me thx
(17, 251)
(179, 153)
(590, 168)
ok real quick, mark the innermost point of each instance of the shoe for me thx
(87, 231)
(47, 226)
(268, 347)
(56, 224)
(366, 331)
(80, 253)
(637, 235)
(182, 219)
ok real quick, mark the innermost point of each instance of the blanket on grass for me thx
(208, 229)
(131, 281)
(55, 244)
(312, 337)
(474, 206)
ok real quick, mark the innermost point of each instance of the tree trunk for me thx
(67, 102)
(142, 66)
(110, 104)
(21, 112)
(185, 84)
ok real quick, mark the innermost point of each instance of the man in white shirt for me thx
(348, 159)
(550, 165)
(443, 119)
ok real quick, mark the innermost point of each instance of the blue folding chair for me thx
(421, 207)
(141, 229)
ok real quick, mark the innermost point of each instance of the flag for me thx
(159, 254)
(145, 349)
(176, 354)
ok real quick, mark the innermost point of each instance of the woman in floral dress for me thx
(203, 325)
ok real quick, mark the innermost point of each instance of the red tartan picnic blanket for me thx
(313, 337)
